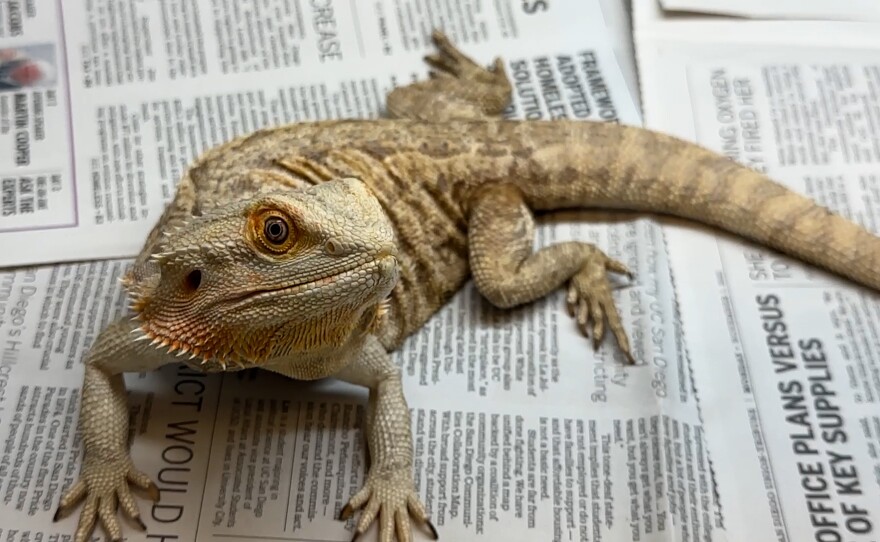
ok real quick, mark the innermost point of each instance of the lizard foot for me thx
(452, 62)
(589, 301)
(390, 496)
(458, 88)
(105, 487)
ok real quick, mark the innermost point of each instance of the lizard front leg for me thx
(508, 273)
(388, 492)
(107, 469)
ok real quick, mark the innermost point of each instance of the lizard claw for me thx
(104, 485)
(589, 301)
(346, 512)
(390, 498)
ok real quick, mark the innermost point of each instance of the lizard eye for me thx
(275, 230)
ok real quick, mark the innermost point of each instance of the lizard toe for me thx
(392, 501)
(590, 302)
(107, 515)
(70, 498)
(87, 520)
(104, 484)
(402, 525)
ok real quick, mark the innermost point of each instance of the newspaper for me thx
(785, 357)
(132, 92)
(521, 431)
(855, 10)
(543, 439)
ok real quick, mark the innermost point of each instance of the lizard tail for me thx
(641, 170)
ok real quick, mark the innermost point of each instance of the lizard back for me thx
(423, 174)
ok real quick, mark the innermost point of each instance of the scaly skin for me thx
(281, 247)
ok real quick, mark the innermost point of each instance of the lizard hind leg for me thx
(508, 272)
(458, 88)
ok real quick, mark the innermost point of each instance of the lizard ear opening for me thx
(193, 280)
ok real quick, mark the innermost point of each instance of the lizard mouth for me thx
(380, 270)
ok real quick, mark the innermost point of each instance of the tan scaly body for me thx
(424, 174)
(268, 258)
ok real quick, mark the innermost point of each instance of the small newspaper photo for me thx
(521, 431)
(33, 113)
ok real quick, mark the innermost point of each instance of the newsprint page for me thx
(855, 10)
(521, 431)
(785, 358)
(131, 92)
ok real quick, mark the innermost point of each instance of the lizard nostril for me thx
(193, 280)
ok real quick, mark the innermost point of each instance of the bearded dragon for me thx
(314, 249)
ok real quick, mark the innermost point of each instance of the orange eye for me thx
(274, 231)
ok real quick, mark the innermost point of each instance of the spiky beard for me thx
(219, 347)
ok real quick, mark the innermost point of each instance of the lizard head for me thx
(281, 274)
